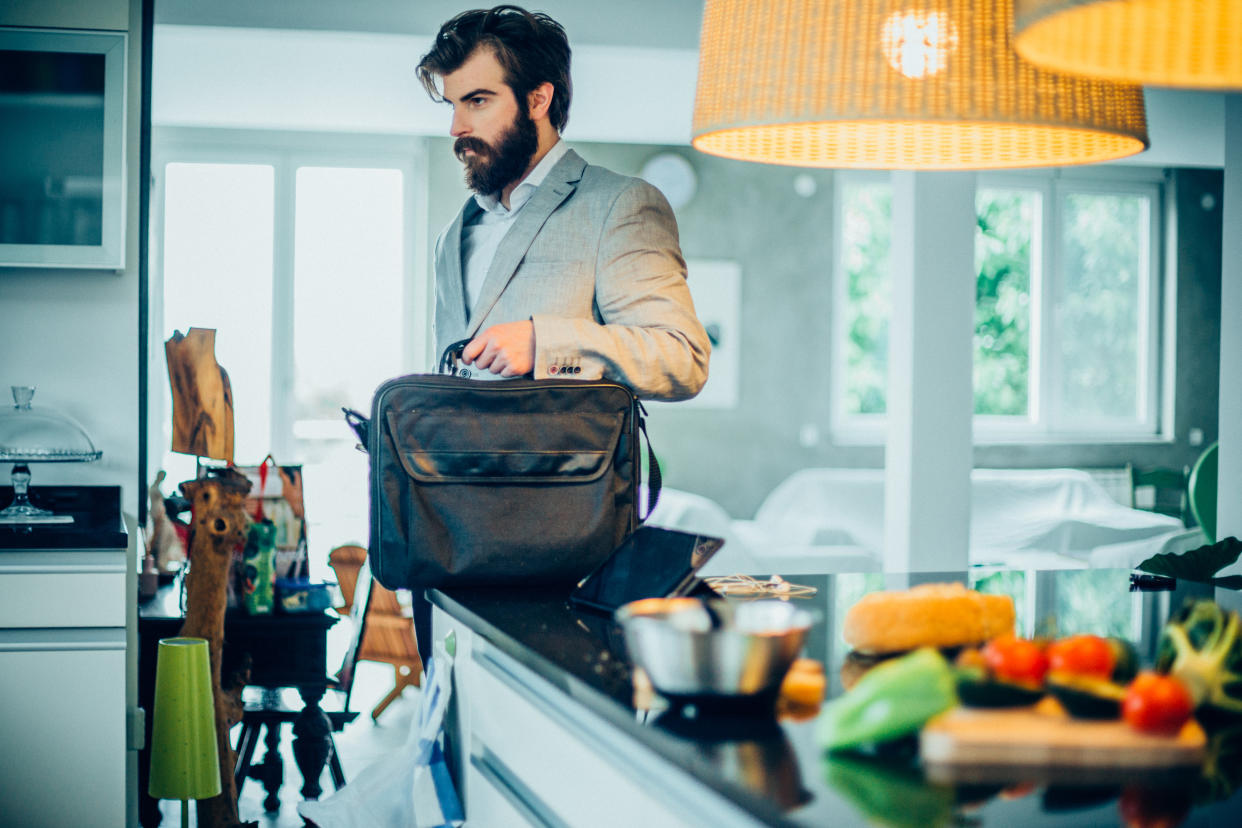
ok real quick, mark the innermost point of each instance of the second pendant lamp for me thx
(896, 84)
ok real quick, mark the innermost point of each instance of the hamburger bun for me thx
(928, 615)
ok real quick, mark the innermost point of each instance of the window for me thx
(300, 257)
(1066, 313)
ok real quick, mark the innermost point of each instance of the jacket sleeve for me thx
(650, 338)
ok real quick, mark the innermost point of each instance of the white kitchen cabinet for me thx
(64, 680)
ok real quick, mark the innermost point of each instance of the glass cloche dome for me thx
(37, 434)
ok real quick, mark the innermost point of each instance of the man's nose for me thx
(459, 127)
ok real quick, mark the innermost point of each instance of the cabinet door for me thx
(64, 728)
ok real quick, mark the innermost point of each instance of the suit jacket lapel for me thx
(452, 294)
(560, 182)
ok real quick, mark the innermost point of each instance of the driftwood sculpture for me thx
(219, 526)
(202, 398)
(163, 544)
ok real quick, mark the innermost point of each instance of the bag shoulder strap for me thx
(654, 480)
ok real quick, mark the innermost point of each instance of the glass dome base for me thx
(21, 511)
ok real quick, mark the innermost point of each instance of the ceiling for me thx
(663, 24)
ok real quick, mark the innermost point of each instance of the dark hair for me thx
(531, 48)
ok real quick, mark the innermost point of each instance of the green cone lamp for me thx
(185, 763)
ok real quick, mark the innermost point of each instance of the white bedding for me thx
(832, 520)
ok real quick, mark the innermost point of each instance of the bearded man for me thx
(555, 268)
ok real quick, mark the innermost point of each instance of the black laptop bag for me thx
(480, 483)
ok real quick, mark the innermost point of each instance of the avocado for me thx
(976, 688)
(1086, 697)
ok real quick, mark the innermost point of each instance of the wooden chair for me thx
(388, 635)
(1169, 489)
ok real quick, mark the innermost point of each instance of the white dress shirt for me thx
(485, 228)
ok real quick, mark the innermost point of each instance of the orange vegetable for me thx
(804, 684)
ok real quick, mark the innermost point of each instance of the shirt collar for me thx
(522, 192)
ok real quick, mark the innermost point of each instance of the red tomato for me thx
(1016, 659)
(1156, 704)
(1082, 655)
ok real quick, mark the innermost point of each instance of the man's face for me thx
(496, 137)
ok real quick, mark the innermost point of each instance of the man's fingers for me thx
(486, 358)
(502, 349)
(473, 348)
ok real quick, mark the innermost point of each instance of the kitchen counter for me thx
(544, 727)
(96, 512)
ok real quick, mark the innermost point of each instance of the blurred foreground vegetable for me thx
(1202, 647)
(890, 794)
(893, 699)
(1156, 703)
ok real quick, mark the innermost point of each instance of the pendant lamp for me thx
(1190, 43)
(896, 84)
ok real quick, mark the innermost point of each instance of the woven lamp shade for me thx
(1192, 43)
(887, 84)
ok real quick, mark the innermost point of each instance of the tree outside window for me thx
(1064, 328)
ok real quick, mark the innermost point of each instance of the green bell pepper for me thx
(893, 699)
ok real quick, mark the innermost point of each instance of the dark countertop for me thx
(97, 521)
(777, 772)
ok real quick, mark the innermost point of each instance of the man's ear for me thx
(539, 101)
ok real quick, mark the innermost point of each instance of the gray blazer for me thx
(593, 260)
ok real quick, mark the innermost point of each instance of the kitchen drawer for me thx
(497, 798)
(581, 769)
(63, 599)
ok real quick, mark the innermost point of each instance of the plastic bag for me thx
(411, 786)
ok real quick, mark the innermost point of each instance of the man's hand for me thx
(507, 349)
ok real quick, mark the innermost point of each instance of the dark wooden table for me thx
(286, 651)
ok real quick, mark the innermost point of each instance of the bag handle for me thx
(361, 426)
(451, 356)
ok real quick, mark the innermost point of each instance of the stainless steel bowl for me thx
(712, 651)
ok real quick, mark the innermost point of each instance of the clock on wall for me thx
(671, 174)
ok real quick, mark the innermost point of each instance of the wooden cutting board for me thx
(1045, 736)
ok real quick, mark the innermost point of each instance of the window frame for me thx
(847, 429)
(1044, 423)
(286, 152)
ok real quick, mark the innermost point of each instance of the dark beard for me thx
(495, 167)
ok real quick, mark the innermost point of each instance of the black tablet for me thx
(651, 562)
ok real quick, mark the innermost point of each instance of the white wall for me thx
(351, 81)
(74, 333)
